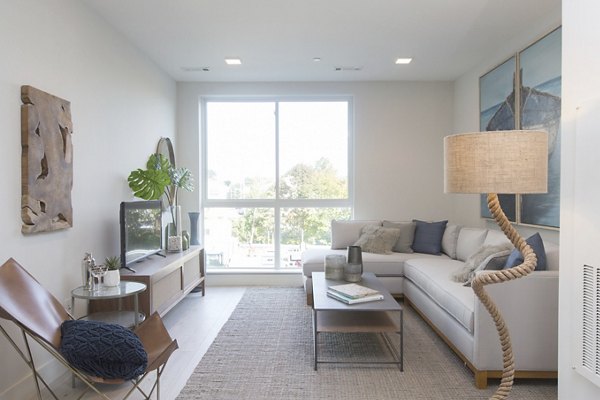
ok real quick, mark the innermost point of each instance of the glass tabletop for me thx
(125, 288)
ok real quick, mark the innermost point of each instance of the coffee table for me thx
(382, 317)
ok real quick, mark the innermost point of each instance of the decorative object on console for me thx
(162, 176)
(113, 276)
(46, 162)
(498, 162)
(334, 266)
(185, 240)
(194, 215)
(353, 269)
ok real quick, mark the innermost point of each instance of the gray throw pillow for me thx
(377, 239)
(486, 258)
(407, 235)
(428, 236)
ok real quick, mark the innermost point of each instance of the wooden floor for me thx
(194, 322)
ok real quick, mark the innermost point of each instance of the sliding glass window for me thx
(275, 174)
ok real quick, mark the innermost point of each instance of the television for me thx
(141, 230)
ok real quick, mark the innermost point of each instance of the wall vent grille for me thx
(589, 354)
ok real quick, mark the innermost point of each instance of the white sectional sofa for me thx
(529, 305)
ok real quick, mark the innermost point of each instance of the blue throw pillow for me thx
(428, 237)
(537, 244)
(104, 350)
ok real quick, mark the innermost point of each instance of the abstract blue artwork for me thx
(539, 96)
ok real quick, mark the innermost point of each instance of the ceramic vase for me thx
(112, 278)
(354, 268)
(194, 241)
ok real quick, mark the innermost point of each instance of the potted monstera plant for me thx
(158, 179)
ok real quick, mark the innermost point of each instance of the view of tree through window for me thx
(276, 174)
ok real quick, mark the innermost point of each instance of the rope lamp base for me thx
(505, 275)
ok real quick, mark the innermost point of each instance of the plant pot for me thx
(174, 244)
(112, 278)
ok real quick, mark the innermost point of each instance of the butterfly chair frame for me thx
(39, 315)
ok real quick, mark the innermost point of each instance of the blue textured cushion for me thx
(537, 244)
(103, 350)
(428, 236)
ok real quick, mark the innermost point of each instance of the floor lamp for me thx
(498, 162)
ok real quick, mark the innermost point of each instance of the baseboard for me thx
(481, 376)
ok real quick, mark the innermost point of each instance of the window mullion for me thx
(277, 233)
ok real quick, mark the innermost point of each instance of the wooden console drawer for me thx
(168, 280)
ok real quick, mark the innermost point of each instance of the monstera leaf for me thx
(159, 178)
(182, 178)
(148, 184)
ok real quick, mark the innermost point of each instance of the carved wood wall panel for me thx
(46, 161)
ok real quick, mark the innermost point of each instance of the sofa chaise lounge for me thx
(529, 305)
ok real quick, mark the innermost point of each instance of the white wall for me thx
(466, 113)
(398, 129)
(580, 194)
(121, 104)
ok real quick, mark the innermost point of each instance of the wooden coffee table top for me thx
(321, 302)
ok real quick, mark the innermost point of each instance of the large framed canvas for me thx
(540, 67)
(497, 112)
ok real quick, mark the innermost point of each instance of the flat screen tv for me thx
(141, 230)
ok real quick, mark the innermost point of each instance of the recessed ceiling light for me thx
(233, 61)
(403, 60)
(316, 59)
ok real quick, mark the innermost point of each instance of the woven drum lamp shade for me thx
(496, 162)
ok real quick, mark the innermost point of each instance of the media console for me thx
(169, 279)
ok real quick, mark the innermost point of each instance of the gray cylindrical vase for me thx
(194, 241)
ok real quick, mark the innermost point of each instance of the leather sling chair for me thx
(39, 316)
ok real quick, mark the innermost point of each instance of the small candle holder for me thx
(334, 266)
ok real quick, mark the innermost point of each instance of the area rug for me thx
(265, 351)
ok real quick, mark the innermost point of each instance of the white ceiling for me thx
(278, 39)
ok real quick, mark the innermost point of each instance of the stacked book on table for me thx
(352, 293)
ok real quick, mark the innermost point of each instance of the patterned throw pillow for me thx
(104, 350)
(377, 239)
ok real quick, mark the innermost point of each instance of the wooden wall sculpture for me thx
(46, 162)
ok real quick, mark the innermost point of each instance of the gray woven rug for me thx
(265, 351)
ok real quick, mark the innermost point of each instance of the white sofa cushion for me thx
(380, 264)
(469, 241)
(495, 237)
(432, 276)
(450, 239)
(346, 233)
(551, 256)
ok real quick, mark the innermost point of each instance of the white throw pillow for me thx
(450, 239)
(469, 241)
